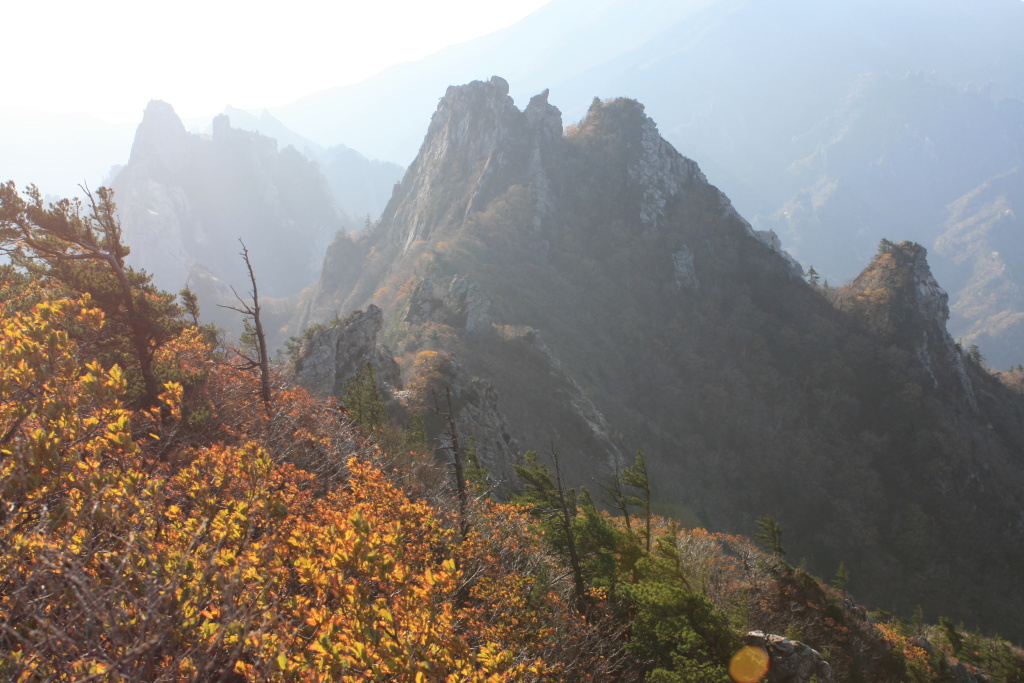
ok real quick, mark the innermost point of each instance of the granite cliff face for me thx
(594, 294)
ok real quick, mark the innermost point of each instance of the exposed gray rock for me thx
(480, 421)
(682, 263)
(333, 355)
(423, 303)
(161, 140)
(772, 241)
(661, 171)
(923, 643)
(464, 299)
(791, 660)
(935, 346)
(544, 118)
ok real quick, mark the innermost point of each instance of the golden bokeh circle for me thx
(749, 665)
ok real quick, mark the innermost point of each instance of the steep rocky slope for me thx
(609, 298)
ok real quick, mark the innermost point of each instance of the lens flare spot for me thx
(749, 665)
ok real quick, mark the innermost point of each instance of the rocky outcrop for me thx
(897, 296)
(476, 400)
(423, 303)
(791, 660)
(477, 135)
(482, 425)
(332, 355)
(659, 170)
(467, 302)
(161, 141)
(544, 118)
(772, 241)
(461, 306)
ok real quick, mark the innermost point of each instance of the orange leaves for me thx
(915, 656)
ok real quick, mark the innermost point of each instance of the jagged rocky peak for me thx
(221, 125)
(623, 123)
(544, 117)
(472, 120)
(161, 138)
(899, 281)
(478, 144)
(898, 297)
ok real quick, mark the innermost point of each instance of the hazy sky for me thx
(110, 57)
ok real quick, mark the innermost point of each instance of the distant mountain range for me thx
(58, 152)
(189, 201)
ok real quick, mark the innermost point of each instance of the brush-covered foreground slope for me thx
(603, 297)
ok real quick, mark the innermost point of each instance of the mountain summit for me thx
(835, 124)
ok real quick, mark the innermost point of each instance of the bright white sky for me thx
(108, 58)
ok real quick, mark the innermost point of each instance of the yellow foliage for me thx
(221, 559)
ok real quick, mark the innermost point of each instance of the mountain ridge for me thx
(835, 126)
(694, 340)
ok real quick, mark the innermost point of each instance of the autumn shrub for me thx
(138, 547)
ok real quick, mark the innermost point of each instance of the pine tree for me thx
(556, 505)
(842, 578)
(362, 398)
(636, 476)
(79, 245)
(770, 535)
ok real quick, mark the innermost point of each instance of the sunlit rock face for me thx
(791, 660)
